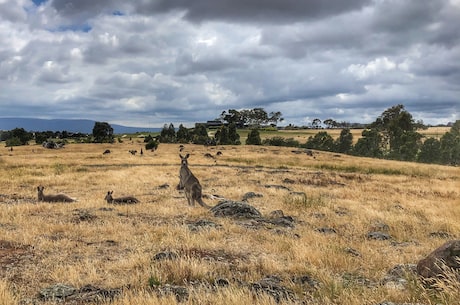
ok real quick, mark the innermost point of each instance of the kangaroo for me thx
(120, 200)
(190, 183)
(52, 198)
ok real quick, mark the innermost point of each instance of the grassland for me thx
(93, 243)
(302, 135)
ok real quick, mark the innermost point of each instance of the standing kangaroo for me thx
(52, 198)
(120, 200)
(190, 183)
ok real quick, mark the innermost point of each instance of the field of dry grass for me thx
(326, 257)
(302, 135)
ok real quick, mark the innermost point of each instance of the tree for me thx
(232, 116)
(16, 137)
(398, 133)
(369, 145)
(221, 136)
(344, 143)
(233, 135)
(103, 132)
(316, 123)
(430, 151)
(330, 123)
(450, 145)
(254, 137)
(168, 134)
(275, 117)
(200, 134)
(321, 141)
(183, 135)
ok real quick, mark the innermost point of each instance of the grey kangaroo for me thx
(190, 183)
(52, 198)
(120, 200)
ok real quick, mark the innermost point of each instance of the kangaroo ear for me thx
(187, 155)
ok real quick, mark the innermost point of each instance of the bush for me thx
(254, 138)
(280, 141)
(152, 144)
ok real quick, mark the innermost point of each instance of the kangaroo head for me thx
(40, 188)
(109, 195)
(183, 160)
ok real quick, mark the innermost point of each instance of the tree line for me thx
(393, 135)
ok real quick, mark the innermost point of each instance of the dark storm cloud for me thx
(271, 11)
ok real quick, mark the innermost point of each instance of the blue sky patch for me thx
(38, 2)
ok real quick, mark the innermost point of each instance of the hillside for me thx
(332, 229)
(83, 126)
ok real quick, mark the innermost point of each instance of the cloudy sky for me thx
(151, 62)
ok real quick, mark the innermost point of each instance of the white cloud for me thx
(176, 61)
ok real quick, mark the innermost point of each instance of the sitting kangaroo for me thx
(52, 198)
(120, 200)
(190, 183)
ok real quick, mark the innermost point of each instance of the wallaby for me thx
(52, 198)
(120, 200)
(190, 183)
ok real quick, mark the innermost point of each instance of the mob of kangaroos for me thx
(190, 183)
(52, 198)
(120, 200)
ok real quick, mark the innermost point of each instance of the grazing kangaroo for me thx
(190, 183)
(52, 198)
(120, 200)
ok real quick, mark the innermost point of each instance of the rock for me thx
(221, 282)
(181, 293)
(435, 264)
(249, 195)
(306, 280)
(57, 291)
(276, 186)
(441, 234)
(353, 252)
(203, 224)
(165, 255)
(378, 235)
(326, 230)
(283, 221)
(271, 286)
(396, 277)
(61, 292)
(228, 208)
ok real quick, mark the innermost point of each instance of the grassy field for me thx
(302, 135)
(334, 201)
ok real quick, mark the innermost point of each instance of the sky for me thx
(147, 63)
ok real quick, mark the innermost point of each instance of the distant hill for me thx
(83, 126)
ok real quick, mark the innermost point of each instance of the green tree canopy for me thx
(369, 145)
(103, 132)
(168, 134)
(450, 145)
(183, 135)
(321, 141)
(430, 151)
(344, 144)
(254, 137)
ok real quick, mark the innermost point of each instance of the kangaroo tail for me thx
(202, 203)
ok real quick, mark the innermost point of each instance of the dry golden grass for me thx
(302, 135)
(85, 243)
